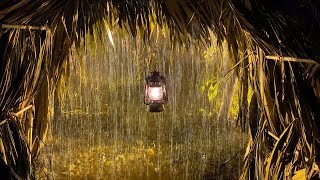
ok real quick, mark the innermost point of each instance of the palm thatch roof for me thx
(283, 115)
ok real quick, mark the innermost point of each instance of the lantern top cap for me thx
(155, 73)
(155, 76)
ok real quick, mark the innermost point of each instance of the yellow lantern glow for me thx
(155, 92)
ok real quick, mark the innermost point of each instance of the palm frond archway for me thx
(283, 114)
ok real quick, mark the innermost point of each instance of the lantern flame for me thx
(155, 93)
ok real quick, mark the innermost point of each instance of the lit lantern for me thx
(155, 92)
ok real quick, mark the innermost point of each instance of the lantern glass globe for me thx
(155, 93)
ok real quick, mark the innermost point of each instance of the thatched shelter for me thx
(275, 44)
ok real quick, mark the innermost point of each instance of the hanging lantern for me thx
(155, 92)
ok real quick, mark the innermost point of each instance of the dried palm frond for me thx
(33, 61)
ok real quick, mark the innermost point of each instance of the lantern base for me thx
(155, 108)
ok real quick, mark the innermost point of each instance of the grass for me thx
(76, 159)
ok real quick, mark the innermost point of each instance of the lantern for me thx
(155, 92)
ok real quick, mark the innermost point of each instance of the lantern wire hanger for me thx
(155, 95)
(155, 61)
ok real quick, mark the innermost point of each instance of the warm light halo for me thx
(155, 93)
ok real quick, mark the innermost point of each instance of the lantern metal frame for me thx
(155, 80)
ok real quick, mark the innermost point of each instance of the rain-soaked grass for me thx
(73, 158)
